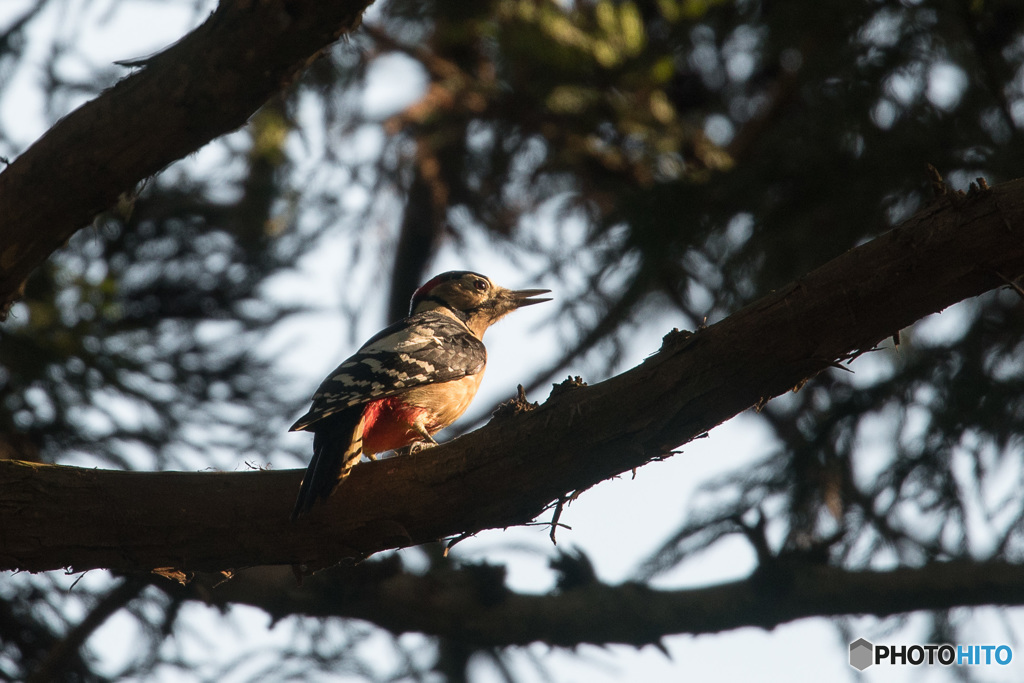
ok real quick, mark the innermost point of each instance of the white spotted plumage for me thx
(425, 348)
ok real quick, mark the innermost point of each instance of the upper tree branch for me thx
(508, 472)
(203, 86)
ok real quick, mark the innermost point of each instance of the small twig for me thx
(555, 517)
(457, 539)
(660, 645)
(1011, 283)
(938, 184)
(839, 366)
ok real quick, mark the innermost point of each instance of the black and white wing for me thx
(425, 348)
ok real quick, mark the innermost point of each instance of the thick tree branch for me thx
(203, 86)
(508, 472)
(473, 606)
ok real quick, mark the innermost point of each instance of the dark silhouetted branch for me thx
(514, 468)
(205, 85)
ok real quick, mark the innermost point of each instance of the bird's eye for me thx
(481, 285)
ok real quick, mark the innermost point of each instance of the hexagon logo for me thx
(861, 654)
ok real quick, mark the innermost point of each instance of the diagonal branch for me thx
(510, 471)
(205, 85)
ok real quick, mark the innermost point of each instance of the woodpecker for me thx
(408, 381)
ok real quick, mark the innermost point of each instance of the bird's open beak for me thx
(525, 297)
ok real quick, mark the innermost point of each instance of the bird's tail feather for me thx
(337, 447)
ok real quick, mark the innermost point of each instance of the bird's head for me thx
(472, 298)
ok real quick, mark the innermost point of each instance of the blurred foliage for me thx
(652, 160)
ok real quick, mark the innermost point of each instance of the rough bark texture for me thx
(203, 86)
(508, 472)
(473, 606)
